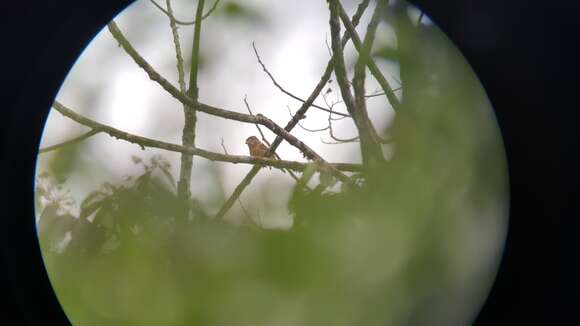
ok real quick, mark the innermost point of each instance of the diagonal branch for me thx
(148, 142)
(69, 142)
(370, 145)
(295, 120)
(338, 59)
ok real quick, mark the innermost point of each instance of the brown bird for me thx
(256, 147)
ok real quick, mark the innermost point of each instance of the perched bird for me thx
(256, 147)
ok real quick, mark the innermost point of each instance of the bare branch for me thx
(282, 89)
(144, 142)
(180, 22)
(330, 130)
(328, 48)
(338, 58)
(350, 27)
(80, 138)
(356, 106)
(381, 93)
(302, 126)
(338, 142)
(368, 135)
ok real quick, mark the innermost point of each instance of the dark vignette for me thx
(522, 51)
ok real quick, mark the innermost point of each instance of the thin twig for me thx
(282, 88)
(245, 212)
(257, 125)
(303, 127)
(330, 130)
(224, 147)
(180, 22)
(328, 48)
(350, 27)
(80, 138)
(337, 142)
(381, 93)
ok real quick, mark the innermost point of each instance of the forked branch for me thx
(180, 22)
(350, 27)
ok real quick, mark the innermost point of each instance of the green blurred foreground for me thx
(418, 245)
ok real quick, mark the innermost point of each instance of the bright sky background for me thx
(107, 86)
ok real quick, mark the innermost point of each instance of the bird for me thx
(256, 147)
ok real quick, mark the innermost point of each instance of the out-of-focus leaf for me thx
(387, 53)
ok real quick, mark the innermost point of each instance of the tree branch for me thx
(370, 145)
(180, 22)
(338, 59)
(189, 111)
(350, 27)
(69, 142)
(188, 133)
(213, 156)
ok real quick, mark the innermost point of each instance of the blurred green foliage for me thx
(239, 10)
(400, 250)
